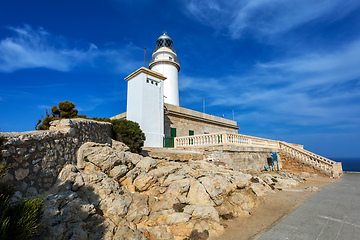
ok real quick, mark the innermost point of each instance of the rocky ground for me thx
(114, 194)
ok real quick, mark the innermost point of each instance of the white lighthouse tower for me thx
(164, 61)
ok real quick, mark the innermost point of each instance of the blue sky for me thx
(290, 70)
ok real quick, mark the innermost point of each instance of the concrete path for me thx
(333, 213)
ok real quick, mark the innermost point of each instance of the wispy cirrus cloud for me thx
(318, 89)
(37, 48)
(265, 17)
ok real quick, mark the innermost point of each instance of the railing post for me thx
(225, 138)
(175, 143)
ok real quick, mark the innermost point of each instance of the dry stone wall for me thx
(238, 157)
(35, 158)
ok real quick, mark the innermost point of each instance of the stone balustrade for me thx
(224, 139)
(332, 168)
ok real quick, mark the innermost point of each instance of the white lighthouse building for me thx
(164, 61)
(153, 102)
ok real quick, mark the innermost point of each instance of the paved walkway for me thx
(333, 213)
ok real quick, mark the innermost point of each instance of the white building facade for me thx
(145, 104)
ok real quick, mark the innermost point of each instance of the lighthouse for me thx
(153, 102)
(164, 61)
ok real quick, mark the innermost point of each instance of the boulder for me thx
(286, 183)
(125, 233)
(240, 179)
(160, 232)
(197, 195)
(118, 172)
(305, 175)
(174, 218)
(138, 208)
(217, 186)
(173, 178)
(176, 188)
(260, 189)
(101, 155)
(146, 164)
(119, 146)
(205, 213)
(143, 181)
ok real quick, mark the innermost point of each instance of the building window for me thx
(170, 58)
(191, 132)
(172, 132)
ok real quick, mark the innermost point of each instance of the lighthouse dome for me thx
(164, 41)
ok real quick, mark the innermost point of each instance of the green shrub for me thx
(18, 220)
(66, 110)
(129, 132)
(126, 131)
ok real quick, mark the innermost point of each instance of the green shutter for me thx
(173, 132)
(191, 132)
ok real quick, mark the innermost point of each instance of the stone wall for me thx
(35, 158)
(239, 157)
(183, 125)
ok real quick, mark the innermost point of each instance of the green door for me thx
(169, 142)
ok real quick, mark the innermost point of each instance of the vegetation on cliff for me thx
(129, 132)
(65, 109)
(18, 220)
(126, 131)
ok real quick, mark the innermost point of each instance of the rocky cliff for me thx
(111, 193)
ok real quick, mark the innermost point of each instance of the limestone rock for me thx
(146, 164)
(205, 213)
(217, 186)
(119, 146)
(260, 189)
(133, 157)
(305, 175)
(173, 178)
(286, 183)
(160, 232)
(138, 208)
(143, 181)
(118, 171)
(240, 179)
(102, 156)
(174, 218)
(177, 188)
(125, 233)
(181, 230)
(160, 205)
(197, 195)
(130, 176)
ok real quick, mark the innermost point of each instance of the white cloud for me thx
(30, 48)
(318, 89)
(265, 17)
(317, 70)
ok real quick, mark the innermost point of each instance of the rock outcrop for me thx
(114, 194)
